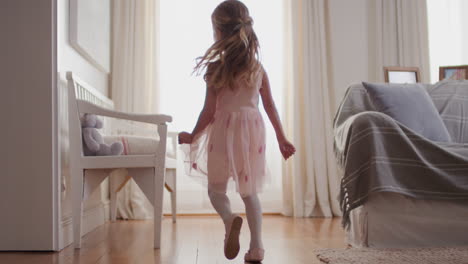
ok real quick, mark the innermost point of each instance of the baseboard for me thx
(93, 217)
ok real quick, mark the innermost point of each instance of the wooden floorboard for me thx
(193, 240)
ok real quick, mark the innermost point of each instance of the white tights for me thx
(253, 209)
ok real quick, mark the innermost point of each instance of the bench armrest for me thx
(89, 108)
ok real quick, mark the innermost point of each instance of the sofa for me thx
(400, 189)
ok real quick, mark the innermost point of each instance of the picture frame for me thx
(402, 74)
(459, 72)
(90, 31)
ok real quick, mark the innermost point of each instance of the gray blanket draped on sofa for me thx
(378, 154)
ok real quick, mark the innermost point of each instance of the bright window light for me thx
(448, 36)
(185, 34)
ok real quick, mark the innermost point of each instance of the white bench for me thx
(147, 170)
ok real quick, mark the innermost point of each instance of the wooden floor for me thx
(193, 240)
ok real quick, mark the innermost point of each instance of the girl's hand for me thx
(286, 148)
(185, 138)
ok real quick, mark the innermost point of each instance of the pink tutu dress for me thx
(230, 151)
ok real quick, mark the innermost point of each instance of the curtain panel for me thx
(134, 82)
(310, 179)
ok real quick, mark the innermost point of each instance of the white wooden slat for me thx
(171, 163)
(89, 88)
(112, 162)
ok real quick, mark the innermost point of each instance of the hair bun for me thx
(247, 21)
(243, 23)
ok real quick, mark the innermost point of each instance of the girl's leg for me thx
(221, 203)
(253, 210)
(232, 222)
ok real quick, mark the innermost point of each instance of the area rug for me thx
(394, 256)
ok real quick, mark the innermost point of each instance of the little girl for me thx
(228, 140)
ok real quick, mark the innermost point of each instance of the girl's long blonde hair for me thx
(235, 55)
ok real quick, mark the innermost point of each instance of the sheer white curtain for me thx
(448, 36)
(310, 180)
(133, 80)
(320, 34)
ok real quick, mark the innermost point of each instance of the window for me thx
(185, 34)
(448, 36)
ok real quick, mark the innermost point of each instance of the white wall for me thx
(69, 59)
(28, 182)
(96, 207)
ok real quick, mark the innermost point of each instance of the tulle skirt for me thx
(230, 153)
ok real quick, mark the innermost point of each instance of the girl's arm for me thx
(286, 148)
(205, 117)
(207, 113)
